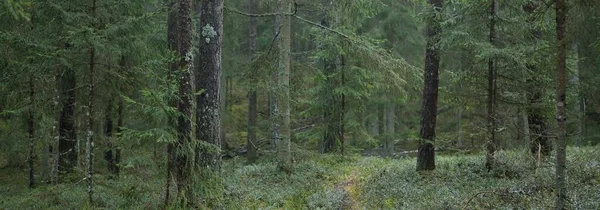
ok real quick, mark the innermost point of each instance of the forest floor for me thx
(332, 182)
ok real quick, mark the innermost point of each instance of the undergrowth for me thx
(330, 182)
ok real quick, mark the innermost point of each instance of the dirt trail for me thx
(350, 195)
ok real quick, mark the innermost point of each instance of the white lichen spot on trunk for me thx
(208, 32)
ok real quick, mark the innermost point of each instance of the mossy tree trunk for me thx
(183, 153)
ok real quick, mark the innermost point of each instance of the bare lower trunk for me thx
(561, 25)
(426, 154)
(31, 131)
(252, 154)
(491, 103)
(459, 133)
(208, 78)
(183, 157)
(283, 102)
(67, 147)
(390, 113)
(172, 44)
(90, 127)
(54, 144)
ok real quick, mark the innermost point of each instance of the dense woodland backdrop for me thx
(203, 99)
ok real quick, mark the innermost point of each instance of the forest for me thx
(299, 104)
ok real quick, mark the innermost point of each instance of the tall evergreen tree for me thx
(491, 101)
(426, 154)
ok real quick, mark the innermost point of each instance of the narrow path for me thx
(348, 188)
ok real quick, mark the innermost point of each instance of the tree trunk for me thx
(374, 124)
(185, 104)
(390, 113)
(426, 154)
(66, 127)
(252, 154)
(31, 131)
(561, 66)
(54, 144)
(208, 79)
(90, 125)
(108, 133)
(459, 130)
(580, 107)
(172, 44)
(535, 94)
(274, 91)
(90, 116)
(283, 101)
(491, 101)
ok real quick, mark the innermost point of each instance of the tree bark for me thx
(283, 101)
(208, 80)
(459, 130)
(426, 154)
(173, 45)
(491, 101)
(55, 143)
(108, 133)
(183, 156)
(90, 117)
(390, 121)
(561, 66)
(252, 154)
(31, 131)
(66, 127)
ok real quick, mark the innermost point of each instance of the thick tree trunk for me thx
(66, 127)
(252, 154)
(31, 131)
(183, 157)
(426, 154)
(535, 96)
(491, 101)
(561, 66)
(283, 102)
(208, 79)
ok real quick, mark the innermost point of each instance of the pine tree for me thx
(426, 155)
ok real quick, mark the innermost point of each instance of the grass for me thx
(334, 182)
